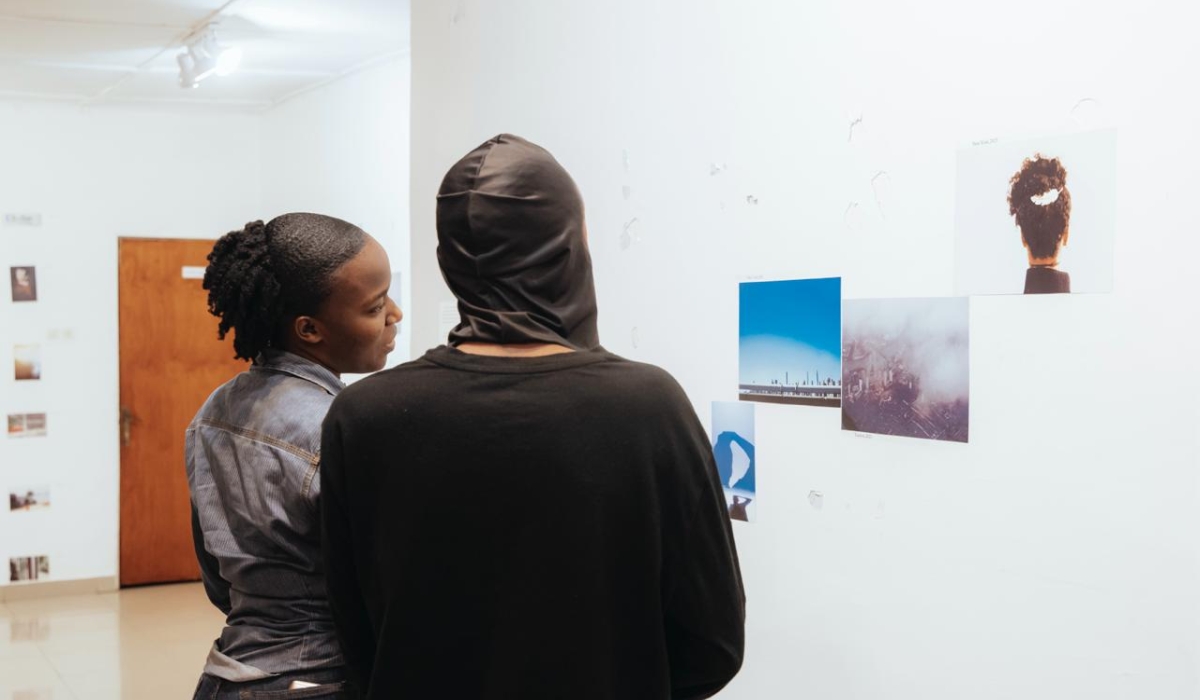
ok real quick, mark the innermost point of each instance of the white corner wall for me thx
(342, 150)
(94, 176)
(1055, 556)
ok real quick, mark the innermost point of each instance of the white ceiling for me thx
(123, 51)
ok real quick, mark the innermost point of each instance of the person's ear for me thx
(308, 330)
(1066, 235)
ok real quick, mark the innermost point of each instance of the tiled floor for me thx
(138, 644)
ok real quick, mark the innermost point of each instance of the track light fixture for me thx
(205, 56)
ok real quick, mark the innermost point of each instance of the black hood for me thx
(511, 246)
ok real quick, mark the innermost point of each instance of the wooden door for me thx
(170, 362)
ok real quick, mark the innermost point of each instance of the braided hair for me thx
(265, 275)
(1040, 202)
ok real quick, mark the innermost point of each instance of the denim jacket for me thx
(252, 454)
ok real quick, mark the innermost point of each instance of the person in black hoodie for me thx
(623, 581)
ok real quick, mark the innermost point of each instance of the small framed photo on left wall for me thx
(28, 568)
(27, 362)
(24, 283)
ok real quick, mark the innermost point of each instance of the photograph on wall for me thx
(26, 500)
(26, 425)
(789, 342)
(24, 283)
(27, 362)
(1036, 216)
(906, 367)
(28, 568)
(733, 449)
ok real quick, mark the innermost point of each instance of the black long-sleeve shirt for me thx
(528, 528)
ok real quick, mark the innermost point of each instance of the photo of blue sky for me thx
(790, 341)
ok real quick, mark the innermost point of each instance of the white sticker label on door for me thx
(193, 272)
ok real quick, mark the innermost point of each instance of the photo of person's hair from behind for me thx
(1040, 203)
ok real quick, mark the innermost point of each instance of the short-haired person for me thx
(306, 297)
(1040, 202)
(522, 514)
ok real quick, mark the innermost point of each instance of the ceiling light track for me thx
(179, 39)
(206, 56)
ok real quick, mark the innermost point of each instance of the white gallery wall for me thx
(1055, 555)
(94, 175)
(343, 150)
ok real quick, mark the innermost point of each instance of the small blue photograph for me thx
(733, 448)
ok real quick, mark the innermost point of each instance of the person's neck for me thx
(513, 349)
(1051, 263)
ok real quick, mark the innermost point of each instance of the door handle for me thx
(127, 420)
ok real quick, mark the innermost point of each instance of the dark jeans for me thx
(332, 686)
